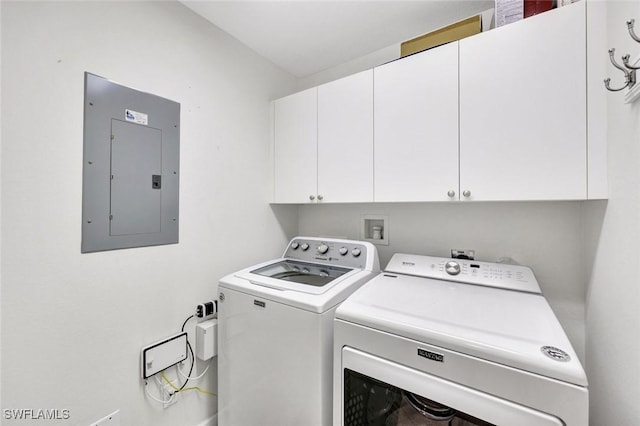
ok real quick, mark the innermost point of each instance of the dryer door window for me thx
(371, 402)
(380, 392)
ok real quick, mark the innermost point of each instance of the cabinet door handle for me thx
(466, 193)
(312, 197)
(451, 193)
(320, 197)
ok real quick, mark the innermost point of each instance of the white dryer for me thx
(275, 332)
(440, 341)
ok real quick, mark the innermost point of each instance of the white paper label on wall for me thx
(136, 117)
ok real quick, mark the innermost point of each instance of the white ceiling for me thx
(305, 37)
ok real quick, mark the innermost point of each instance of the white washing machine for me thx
(434, 341)
(275, 332)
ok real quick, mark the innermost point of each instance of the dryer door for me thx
(377, 392)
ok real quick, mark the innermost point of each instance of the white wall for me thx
(362, 63)
(371, 60)
(0, 212)
(547, 236)
(613, 235)
(73, 324)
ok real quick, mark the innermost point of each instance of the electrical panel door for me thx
(131, 167)
(136, 157)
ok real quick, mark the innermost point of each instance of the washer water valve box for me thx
(207, 339)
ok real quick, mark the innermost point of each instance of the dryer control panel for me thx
(499, 275)
(346, 253)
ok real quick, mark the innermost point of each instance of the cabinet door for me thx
(345, 139)
(416, 127)
(295, 147)
(523, 109)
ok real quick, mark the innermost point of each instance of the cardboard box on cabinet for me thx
(453, 32)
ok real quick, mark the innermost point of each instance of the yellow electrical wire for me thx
(185, 389)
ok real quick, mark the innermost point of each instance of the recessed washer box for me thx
(130, 172)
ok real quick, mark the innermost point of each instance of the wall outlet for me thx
(207, 309)
(112, 419)
(168, 393)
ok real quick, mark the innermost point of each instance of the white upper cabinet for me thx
(345, 139)
(295, 147)
(416, 127)
(323, 143)
(523, 109)
(514, 113)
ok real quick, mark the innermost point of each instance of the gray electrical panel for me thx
(130, 186)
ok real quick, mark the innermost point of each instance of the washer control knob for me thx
(451, 193)
(304, 247)
(343, 251)
(323, 248)
(452, 268)
(356, 252)
(466, 193)
(295, 245)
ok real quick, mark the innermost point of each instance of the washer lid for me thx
(513, 328)
(296, 276)
(310, 274)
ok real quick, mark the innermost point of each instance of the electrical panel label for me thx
(136, 117)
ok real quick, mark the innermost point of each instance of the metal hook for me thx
(625, 61)
(629, 75)
(606, 84)
(632, 33)
(612, 52)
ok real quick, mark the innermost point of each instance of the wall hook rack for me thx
(627, 68)
(629, 74)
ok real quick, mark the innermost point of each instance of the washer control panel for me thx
(499, 275)
(347, 253)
